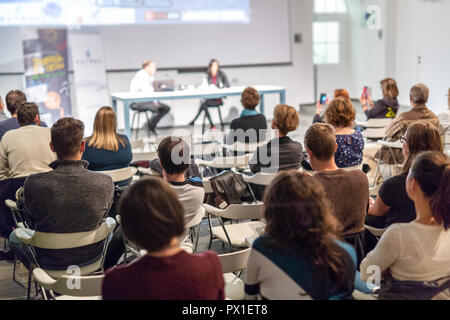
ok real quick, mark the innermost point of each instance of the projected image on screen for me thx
(113, 12)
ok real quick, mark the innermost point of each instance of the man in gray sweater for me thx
(67, 199)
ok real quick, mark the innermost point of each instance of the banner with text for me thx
(46, 72)
(90, 77)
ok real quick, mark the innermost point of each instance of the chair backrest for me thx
(236, 261)
(237, 211)
(239, 146)
(374, 133)
(65, 240)
(379, 123)
(121, 174)
(263, 179)
(376, 231)
(144, 156)
(198, 217)
(226, 162)
(71, 285)
(392, 145)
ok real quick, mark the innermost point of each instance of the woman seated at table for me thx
(383, 108)
(281, 153)
(106, 149)
(393, 204)
(218, 78)
(251, 126)
(341, 115)
(152, 217)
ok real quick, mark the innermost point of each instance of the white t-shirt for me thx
(142, 82)
(411, 251)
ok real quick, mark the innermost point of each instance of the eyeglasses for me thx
(403, 139)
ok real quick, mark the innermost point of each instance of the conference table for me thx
(127, 98)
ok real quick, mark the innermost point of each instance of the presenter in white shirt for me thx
(143, 82)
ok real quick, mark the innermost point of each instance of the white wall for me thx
(296, 78)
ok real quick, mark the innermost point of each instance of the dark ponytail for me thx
(432, 171)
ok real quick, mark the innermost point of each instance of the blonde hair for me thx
(105, 136)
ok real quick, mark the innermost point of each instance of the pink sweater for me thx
(180, 277)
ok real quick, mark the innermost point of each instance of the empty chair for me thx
(121, 175)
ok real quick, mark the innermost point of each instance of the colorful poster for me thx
(46, 72)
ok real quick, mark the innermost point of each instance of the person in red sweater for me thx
(152, 217)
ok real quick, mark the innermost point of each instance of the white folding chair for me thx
(144, 156)
(240, 162)
(235, 234)
(120, 175)
(259, 178)
(242, 147)
(377, 232)
(56, 241)
(233, 263)
(390, 146)
(376, 123)
(71, 287)
(374, 133)
(195, 223)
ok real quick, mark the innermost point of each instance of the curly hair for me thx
(340, 113)
(250, 98)
(285, 119)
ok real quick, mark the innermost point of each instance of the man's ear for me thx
(309, 152)
(52, 147)
(335, 148)
(83, 146)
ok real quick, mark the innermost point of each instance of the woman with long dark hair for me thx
(393, 204)
(299, 256)
(218, 78)
(419, 251)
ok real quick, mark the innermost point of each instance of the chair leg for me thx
(132, 123)
(148, 121)
(198, 236)
(29, 283)
(138, 125)
(210, 232)
(204, 123)
(220, 117)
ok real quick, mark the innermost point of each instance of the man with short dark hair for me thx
(175, 159)
(347, 190)
(25, 150)
(14, 99)
(67, 199)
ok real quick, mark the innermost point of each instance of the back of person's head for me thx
(298, 216)
(27, 113)
(14, 99)
(174, 155)
(431, 170)
(285, 119)
(341, 93)
(105, 136)
(151, 214)
(340, 113)
(250, 98)
(389, 88)
(67, 137)
(321, 140)
(419, 93)
(420, 136)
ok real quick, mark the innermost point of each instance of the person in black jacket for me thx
(386, 107)
(251, 126)
(218, 78)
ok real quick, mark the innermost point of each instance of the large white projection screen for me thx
(264, 40)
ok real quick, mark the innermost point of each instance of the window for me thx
(330, 6)
(326, 42)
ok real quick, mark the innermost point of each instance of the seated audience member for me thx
(347, 190)
(281, 153)
(189, 191)
(3, 115)
(251, 126)
(444, 120)
(13, 100)
(25, 150)
(419, 251)
(106, 149)
(393, 204)
(67, 199)
(341, 115)
(383, 108)
(299, 256)
(419, 97)
(152, 217)
(338, 93)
